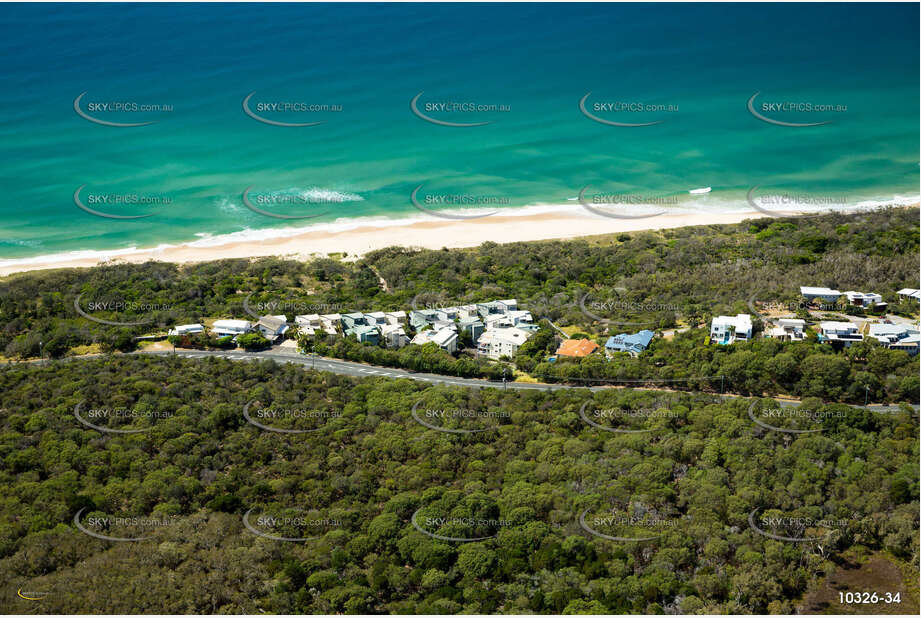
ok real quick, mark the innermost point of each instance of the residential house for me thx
(496, 321)
(308, 324)
(520, 317)
(364, 333)
(864, 299)
(396, 317)
(272, 327)
(223, 328)
(330, 322)
(495, 344)
(788, 329)
(528, 326)
(490, 308)
(839, 333)
(376, 318)
(186, 329)
(577, 348)
(420, 318)
(909, 293)
(311, 320)
(726, 329)
(393, 335)
(445, 339)
(351, 320)
(825, 294)
(444, 324)
(631, 344)
(473, 325)
(445, 314)
(887, 334)
(509, 305)
(910, 344)
(423, 337)
(467, 311)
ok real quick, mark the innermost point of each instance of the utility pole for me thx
(41, 353)
(866, 397)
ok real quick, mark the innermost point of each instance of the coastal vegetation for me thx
(380, 481)
(594, 287)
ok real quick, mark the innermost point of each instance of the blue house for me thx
(475, 327)
(631, 344)
(351, 320)
(420, 318)
(364, 334)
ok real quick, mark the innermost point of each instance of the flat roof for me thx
(837, 325)
(805, 289)
(231, 323)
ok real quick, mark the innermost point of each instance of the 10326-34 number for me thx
(854, 598)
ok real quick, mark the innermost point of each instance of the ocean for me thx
(474, 107)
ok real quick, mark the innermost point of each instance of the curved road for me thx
(359, 370)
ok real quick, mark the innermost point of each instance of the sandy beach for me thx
(358, 241)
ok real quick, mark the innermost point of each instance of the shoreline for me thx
(427, 234)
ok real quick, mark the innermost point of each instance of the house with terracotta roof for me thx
(577, 348)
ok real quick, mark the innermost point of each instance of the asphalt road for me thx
(360, 370)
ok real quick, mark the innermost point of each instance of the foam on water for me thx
(346, 224)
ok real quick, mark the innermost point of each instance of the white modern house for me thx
(446, 339)
(444, 324)
(186, 329)
(909, 293)
(863, 299)
(376, 318)
(520, 317)
(446, 313)
(495, 344)
(825, 294)
(396, 317)
(311, 320)
(330, 322)
(910, 344)
(420, 318)
(788, 329)
(495, 321)
(726, 329)
(393, 335)
(490, 308)
(223, 328)
(887, 334)
(844, 333)
(467, 311)
(308, 324)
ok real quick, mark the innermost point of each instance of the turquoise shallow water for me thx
(534, 63)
